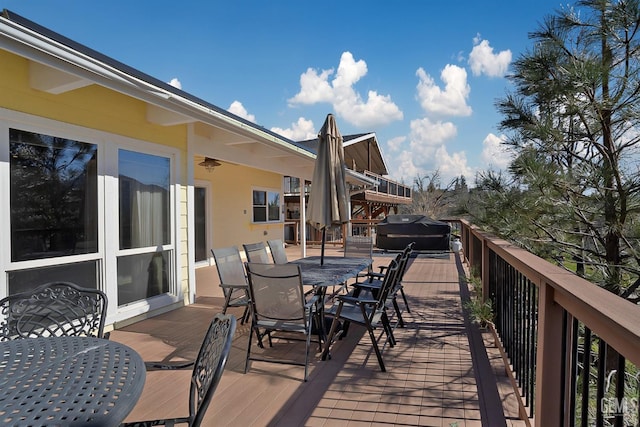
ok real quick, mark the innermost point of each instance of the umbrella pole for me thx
(324, 235)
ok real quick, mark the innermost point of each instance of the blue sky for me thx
(423, 75)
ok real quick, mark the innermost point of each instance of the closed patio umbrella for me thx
(328, 200)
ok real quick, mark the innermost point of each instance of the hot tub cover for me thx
(395, 232)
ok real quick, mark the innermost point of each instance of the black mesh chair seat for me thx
(278, 304)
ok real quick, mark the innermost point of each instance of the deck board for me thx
(431, 377)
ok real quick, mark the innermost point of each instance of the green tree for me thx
(572, 119)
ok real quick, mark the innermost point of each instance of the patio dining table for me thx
(334, 271)
(70, 380)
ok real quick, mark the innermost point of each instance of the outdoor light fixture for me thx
(209, 164)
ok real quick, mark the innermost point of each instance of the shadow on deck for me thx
(444, 371)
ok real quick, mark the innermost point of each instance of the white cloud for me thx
(302, 130)
(483, 61)
(238, 109)
(425, 131)
(426, 152)
(350, 71)
(316, 87)
(495, 155)
(452, 166)
(452, 100)
(394, 144)
(176, 83)
(406, 166)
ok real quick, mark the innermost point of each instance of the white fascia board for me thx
(361, 138)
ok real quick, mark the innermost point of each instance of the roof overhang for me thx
(60, 65)
(362, 152)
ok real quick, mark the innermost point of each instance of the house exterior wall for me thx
(232, 187)
(110, 119)
(93, 106)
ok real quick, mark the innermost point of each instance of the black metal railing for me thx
(572, 349)
(603, 385)
(515, 302)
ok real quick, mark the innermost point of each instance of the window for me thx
(144, 200)
(89, 207)
(200, 219)
(54, 199)
(266, 206)
(145, 223)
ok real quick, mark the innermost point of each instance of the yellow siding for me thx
(231, 187)
(93, 106)
(96, 107)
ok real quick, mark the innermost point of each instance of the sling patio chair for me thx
(53, 309)
(233, 279)
(278, 253)
(359, 247)
(257, 252)
(205, 375)
(278, 305)
(366, 311)
(375, 282)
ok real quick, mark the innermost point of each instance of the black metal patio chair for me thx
(53, 309)
(376, 278)
(366, 311)
(206, 373)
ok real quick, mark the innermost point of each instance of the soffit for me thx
(361, 152)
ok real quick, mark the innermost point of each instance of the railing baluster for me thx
(602, 375)
(620, 386)
(586, 368)
(573, 378)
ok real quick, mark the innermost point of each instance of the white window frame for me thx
(14, 120)
(280, 205)
(208, 221)
(118, 142)
(108, 145)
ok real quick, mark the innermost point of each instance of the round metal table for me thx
(68, 381)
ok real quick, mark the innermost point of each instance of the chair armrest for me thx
(312, 301)
(234, 286)
(167, 366)
(379, 275)
(356, 300)
(373, 284)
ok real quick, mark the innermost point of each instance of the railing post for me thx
(549, 383)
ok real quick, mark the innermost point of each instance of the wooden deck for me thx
(442, 372)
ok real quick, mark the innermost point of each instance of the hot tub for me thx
(395, 232)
